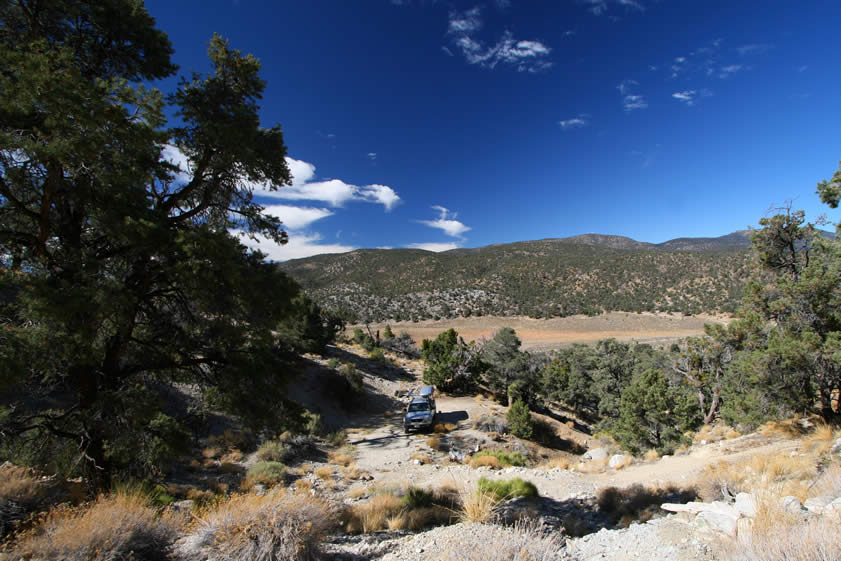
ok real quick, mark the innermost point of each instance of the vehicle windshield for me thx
(419, 406)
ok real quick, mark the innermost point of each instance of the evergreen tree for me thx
(451, 364)
(118, 274)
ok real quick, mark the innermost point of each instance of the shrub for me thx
(377, 355)
(278, 525)
(507, 488)
(265, 473)
(337, 438)
(333, 363)
(519, 419)
(121, 525)
(505, 458)
(434, 442)
(416, 497)
(640, 503)
(402, 345)
(353, 377)
(490, 423)
(274, 451)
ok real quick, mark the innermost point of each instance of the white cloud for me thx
(626, 85)
(687, 96)
(372, 155)
(524, 55)
(334, 192)
(753, 49)
(301, 171)
(578, 122)
(296, 217)
(727, 71)
(599, 7)
(447, 223)
(465, 22)
(174, 156)
(299, 245)
(632, 102)
(434, 246)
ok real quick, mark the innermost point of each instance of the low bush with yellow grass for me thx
(278, 525)
(404, 509)
(485, 461)
(265, 473)
(122, 525)
(434, 442)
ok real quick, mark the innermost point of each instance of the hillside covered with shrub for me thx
(546, 278)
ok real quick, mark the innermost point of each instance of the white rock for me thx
(791, 504)
(718, 522)
(596, 454)
(745, 504)
(817, 504)
(616, 460)
(836, 448)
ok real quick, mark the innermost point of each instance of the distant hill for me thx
(585, 274)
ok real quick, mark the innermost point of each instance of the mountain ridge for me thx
(586, 274)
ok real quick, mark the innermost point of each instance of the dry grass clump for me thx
(265, 473)
(434, 442)
(423, 459)
(560, 462)
(303, 485)
(356, 492)
(199, 495)
(593, 466)
(523, 542)
(795, 427)
(444, 428)
(485, 461)
(780, 535)
(478, 506)
(340, 459)
(324, 472)
(715, 433)
(639, 503)
(414, 509)
(21, 493)
(820, 440)
(232, 456)
(278, 525)
(373, 515)
(651, 455)
(121, 525)
(788, 474)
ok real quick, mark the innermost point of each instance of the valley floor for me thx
(546, 334)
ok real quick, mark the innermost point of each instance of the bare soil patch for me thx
(546, 334)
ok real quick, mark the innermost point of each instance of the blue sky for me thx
(441, 124)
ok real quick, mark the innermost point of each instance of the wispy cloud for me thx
(630, 101)
(803, 68)
(730, 70)
(582, 120)
(447, 223)
(600, 7)
(754, 49)
(524, 55)
(688, 96)
(372, 156)
(435, 246)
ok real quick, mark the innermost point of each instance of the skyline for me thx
(462, 124)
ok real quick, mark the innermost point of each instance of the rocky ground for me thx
(392, 458)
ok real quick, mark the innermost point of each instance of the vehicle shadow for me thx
(451, 416)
